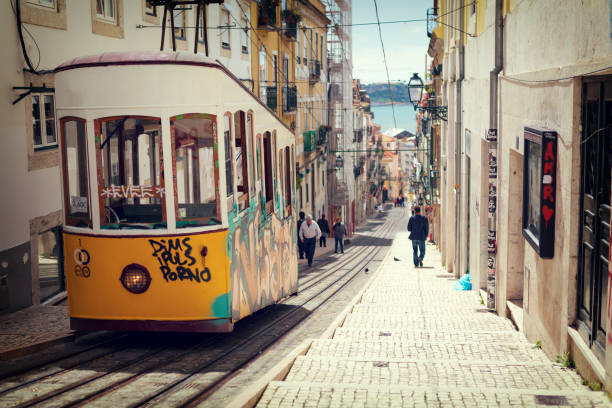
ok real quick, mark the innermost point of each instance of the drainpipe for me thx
(492, 137)
(458, 158)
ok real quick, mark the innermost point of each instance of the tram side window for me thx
(196, 185)
(227, 142)
(241, 160)
(267, 141)
(133, 189)
(288, 180)
(76, 184)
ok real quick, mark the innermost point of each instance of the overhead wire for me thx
(382, 44)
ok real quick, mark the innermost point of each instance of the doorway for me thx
(594, 238)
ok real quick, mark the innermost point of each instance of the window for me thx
(288, 179)
(75, 174)
(297, 47)
(305, 55)
(268, 172)
(132, 191)
(539, 189)
(244, 43)
(201, 26)
(43, 120)
(263, 76)
(196, 179)
(106, 10)
(250, 144)
(241, 160)
(323, 178)
(227, 142)
(275, 63)
(180, 22)
(51, 273)
(316, 50)
(150, 10)
(225, 33)
(47, 4)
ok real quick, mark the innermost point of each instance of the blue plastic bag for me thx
(465, 283)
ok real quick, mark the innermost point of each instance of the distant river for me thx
(405, 116)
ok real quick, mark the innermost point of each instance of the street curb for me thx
(35, 347)
(249, 397)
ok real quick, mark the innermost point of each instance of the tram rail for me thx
(147, 362)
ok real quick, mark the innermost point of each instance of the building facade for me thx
(525, 177)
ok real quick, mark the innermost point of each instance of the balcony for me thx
(271, 98)
(315, 72)
(289, 99)
(267, 14)
(322, 137)
(290, 23)
(310, 141)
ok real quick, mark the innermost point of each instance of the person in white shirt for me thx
(309, 233)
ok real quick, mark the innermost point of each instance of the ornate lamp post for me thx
(415, 94)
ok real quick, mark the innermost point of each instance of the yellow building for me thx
(288, 71)
(311, 81)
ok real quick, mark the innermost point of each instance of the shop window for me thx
(241, 155)
(75, 174)
(50, 271)
(132, 191)
(539, 190)
(227, 143)
(268, 172)
(43, 121)
(196, 181)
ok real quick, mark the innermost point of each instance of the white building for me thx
(55, 31)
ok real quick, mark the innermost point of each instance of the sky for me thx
(405, 43)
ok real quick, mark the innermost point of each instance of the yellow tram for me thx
(178, 192)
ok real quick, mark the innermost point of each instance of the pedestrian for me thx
(339, 232)
(300, 243)
(324, 227)
(309, 233)
(419, 229)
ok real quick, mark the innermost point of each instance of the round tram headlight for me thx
(135, 278)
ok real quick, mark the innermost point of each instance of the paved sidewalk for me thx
(413, 341)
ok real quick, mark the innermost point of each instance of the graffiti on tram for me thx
(176, 261)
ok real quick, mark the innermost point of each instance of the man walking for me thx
(324, 227)
(309, 233)
(339, 232)
(300, 243)
(419, 229)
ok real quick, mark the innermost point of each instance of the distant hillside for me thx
(379, 92)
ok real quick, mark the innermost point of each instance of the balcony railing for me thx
(271, 98)
(309, 141)
(315, 71)
(289, 99)
(267, 14)
(322, 136)
(290, 23)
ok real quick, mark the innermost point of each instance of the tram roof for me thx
(138, 58)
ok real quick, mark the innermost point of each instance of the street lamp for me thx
(415, 94)
(415, 90)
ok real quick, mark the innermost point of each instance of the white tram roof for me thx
(134, 86)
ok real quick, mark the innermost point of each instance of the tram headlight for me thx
(135, 278)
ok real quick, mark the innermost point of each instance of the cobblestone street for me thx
(413, 341)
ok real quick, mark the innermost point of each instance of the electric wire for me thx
(20, 27)
(382, 44)
(539, 81)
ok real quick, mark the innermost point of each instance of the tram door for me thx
(593, 255)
